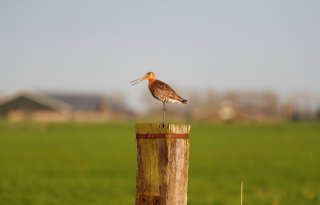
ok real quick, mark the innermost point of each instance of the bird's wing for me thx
(162, 90)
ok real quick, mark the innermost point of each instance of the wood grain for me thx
(163, 161)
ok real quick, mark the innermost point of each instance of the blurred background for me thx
(259, 59)
(249, 69)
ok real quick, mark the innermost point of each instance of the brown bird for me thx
(161, 91)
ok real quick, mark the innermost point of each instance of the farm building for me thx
(61, 107)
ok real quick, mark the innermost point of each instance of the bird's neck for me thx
(151, 82)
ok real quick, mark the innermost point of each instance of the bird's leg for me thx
(164, 112)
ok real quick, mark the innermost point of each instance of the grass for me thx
(96, 163)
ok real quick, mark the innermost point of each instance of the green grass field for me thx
(96, 163)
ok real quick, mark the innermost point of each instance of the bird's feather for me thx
(165, 93)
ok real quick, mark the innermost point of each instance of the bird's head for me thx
(149, 76)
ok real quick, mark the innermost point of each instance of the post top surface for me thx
(159, 128)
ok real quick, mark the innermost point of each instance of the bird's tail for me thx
(184, 101)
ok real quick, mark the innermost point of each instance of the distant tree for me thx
(270, 102)
(305, 104)
(318, 114)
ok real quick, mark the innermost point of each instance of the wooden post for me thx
(163, 161)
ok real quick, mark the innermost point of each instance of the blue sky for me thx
(102, 45)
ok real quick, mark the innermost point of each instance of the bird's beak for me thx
(138, 80)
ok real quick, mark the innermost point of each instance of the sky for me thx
(99, 46)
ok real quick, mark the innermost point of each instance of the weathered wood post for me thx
(163, 161)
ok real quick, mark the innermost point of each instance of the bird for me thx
(161, 91)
